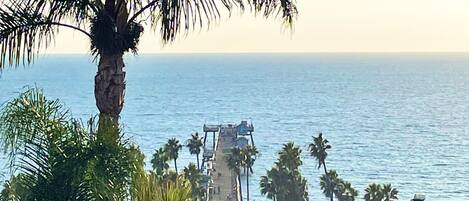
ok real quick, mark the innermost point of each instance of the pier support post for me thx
(205, 138)
(252, 139)
(213, 140)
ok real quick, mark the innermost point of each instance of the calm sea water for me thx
(393, 118)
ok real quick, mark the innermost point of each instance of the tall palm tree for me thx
(160, 161)
(172, 148)
(389, 193)
(234, 162)
(193, 175)
(330, 184)
(195, 144)
(113, 28)
(318, 149)
(249, 156)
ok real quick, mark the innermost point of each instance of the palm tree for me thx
(160, 161)
(318, 149)
(330, 184)
(389, 193)
(249, 156)
(193, 175)
(234, 162)
(374, 193)
(172, 148)
(284, 181)
(113, 28)
(195, 144)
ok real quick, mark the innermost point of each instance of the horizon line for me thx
(273, 52)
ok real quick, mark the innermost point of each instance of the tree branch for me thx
(143, 10)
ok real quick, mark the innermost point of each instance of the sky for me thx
(322, 26)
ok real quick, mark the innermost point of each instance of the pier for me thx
(223, 184)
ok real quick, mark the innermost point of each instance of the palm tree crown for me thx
(389, 193)
(380, 192)
(318, 149)
(160, 161)
(234, 160)
(284, 181)
(290, 156)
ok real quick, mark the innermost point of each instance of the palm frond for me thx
(173, 16)
(29, 26)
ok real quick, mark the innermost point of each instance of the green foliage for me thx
(333, 186)
(248, 156)
(45, 145)
(28, 26)
(15, 189)
(329, 183)
(178, 190)
(53, 157)
(154, 188)
(284, 181)
(290, 156)
(346, 192)
(380, 192)
(194, 176)
(160, 161)
(234, 160)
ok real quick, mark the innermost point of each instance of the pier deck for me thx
(224, 180)
(223, 185)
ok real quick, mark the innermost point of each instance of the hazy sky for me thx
(324, 26)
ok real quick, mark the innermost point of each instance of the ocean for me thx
(399, 118)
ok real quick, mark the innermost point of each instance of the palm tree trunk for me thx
(324, 166)
(198, 166)
(247, 185)
(240, 189)
(110, 86)
(327, 176)
(175, 166)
